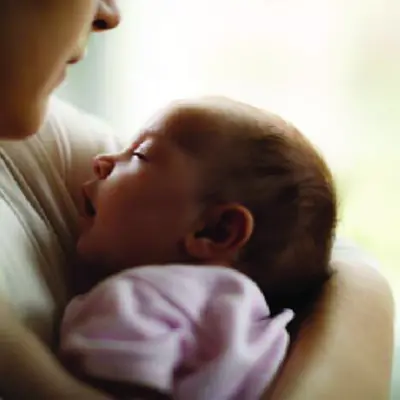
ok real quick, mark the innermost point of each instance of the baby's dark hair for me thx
(272, 169)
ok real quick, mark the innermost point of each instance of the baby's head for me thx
(215, 182)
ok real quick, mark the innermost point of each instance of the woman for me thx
(342, 352)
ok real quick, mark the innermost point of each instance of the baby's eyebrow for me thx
(139, 139)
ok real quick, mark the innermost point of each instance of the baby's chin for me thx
(94, 263)
(89, 274)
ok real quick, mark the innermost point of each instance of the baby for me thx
(211, 227)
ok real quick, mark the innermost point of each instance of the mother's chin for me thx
(21, 118)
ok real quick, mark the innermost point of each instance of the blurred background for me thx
(332, 67)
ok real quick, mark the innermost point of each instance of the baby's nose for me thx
(103, 166)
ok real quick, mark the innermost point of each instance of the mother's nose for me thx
(107, 17)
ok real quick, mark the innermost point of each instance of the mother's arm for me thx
(344, 350)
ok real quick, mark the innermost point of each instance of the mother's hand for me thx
(29, 370)
(344, 350)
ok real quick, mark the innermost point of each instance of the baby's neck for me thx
(83, 282)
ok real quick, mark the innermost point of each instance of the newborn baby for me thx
(205, 233)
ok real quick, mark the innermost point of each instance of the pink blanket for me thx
(200, 333)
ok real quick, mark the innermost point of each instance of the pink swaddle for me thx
(200, 333)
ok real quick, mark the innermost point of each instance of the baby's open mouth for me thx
(89, 209)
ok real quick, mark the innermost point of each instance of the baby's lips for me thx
(87, 207)
(82, 205)
(84, 221)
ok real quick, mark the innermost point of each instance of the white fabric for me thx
(37, 213)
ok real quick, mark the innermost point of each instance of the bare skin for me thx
(29, 370)
(27, 32)
(323, 354)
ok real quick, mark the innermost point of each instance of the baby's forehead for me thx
(204, 126)
(194, 128)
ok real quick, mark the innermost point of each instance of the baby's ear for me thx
(224, 230)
